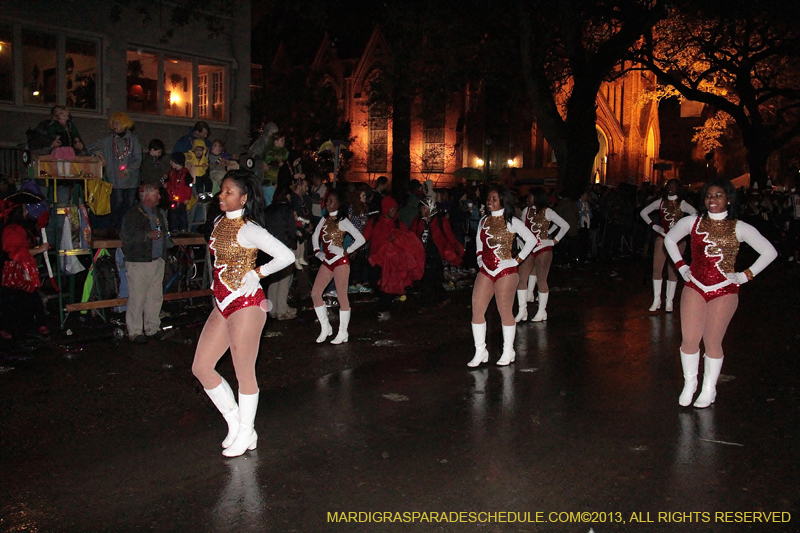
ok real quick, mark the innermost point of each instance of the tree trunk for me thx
(401, 136)
(582, 143)
(758, 152)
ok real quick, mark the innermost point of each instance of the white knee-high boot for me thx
(509, 333)
(325, 325)
(656, 295)
(479, 335)
(671, 286)
(223, 399)
(247, 438)
(344, 321)
(531, 287)
(522, 300)
(689, 363)
(708, 393)
(541, 314)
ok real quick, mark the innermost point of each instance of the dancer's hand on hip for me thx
(251, 282)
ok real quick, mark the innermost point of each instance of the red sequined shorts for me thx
(344, 260)
(503, 273)
(708, 296)
(258, 299)
(541, 251)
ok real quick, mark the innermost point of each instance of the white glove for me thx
(548, 242)
(319, 255)
(250, 283)
(685, 272)
(658, 229)
(335, 250)
(739, 278)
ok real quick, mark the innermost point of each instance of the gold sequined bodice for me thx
(498, 238)
(717, 242)
(536, 221)
(331, 234)
(671, 213)
(231, 258)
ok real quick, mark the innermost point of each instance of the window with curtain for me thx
(377, 158)
(178, 87)
(81, 74)
(433, 147)
(39, 73)
(6, 63)
(211, 92)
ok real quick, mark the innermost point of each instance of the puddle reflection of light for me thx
(240, 504)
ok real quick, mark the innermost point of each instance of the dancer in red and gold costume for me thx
(498, 276)
(543, 222)
(240, 307)
(711, 293)
(670, 210)
(328, 241)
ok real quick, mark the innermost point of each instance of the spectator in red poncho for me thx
(22, 309)
(397, 257)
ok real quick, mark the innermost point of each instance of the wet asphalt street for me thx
(99, 435)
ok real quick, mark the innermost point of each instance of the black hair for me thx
(382, 180)
(341, 212)
(730, 192)
(249, 184)
(666, 186)
(506, 200)
(156, 144)
(201, 125)
(540, 197)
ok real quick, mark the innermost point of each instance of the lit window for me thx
(178, 85)
(211, 82)
(39, 67)
(433, 152)
(81, 74)
(377, 158)
(142, 82)
(6, 64)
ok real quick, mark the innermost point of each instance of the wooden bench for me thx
(104, 304)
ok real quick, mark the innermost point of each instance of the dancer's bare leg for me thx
(659, 258)
(244, 330)
(525, 269)
(482, 294)
(504, 292)
(720, 311)
(324, 276)
(341, 277)
(693, 320)
(211, 346)
(542, 264)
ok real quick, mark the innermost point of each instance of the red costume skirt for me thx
(708, 296)
(344, 260)
(503, 273)
(258, 299)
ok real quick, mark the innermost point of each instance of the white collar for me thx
(498, 213)
(718, 216)
(333, 214)
(672, 197)
(234, 214)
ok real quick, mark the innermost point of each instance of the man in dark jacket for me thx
(145, 243)
(281, 225)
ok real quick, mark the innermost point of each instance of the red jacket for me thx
(178, 185)
(449, 248)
